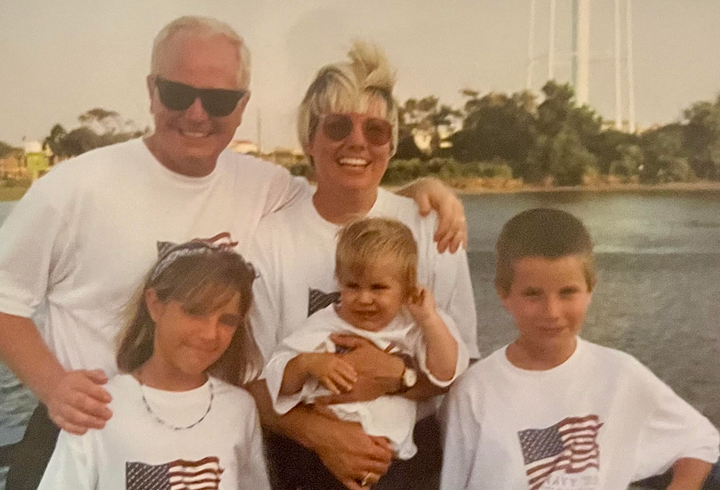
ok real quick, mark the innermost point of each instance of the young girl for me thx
(376, 267)
(176, 424)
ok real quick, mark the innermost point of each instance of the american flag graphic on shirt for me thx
(570, 446)
(175, 475)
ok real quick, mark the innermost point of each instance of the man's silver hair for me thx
(349, 87)
(202, 27)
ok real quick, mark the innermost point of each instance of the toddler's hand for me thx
(334, 373)
(421, 306)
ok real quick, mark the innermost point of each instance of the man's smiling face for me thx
(190, 141)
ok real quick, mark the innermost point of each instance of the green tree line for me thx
(509, 136)
(98, 127)
(553, 141)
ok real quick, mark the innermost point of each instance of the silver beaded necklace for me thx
(168, 424)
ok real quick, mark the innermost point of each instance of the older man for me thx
(83, 237)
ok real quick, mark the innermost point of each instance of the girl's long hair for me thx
(202, 283)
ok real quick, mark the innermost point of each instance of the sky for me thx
(62, 58)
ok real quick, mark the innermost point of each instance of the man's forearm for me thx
(689, 474)
(23, 350)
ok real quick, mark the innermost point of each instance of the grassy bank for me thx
(472, 186)
(12, 193)
(497, 177)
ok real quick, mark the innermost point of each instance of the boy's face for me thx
(548, 300)
(371, 300)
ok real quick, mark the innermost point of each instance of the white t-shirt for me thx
(294, 252)
(136, 452)
(388, 416)
(85, 235)
(599, 421)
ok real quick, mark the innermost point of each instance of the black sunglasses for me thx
(217, 102)
(338, 126)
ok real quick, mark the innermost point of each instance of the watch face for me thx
(409, 377)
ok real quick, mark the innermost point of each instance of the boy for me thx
(552, 411)
(376, 267)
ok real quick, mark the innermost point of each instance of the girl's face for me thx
(188, 343)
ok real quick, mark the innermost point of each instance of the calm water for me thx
(658, 259)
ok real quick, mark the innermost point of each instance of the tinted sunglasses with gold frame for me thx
(338, 126)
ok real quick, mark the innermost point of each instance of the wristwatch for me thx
(408, 379)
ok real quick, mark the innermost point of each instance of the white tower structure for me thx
(580, 56)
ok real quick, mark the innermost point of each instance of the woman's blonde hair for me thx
(203, 279)
(369, 241)
(349, 87)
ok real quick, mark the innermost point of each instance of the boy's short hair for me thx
(542, 232)
(370, 240)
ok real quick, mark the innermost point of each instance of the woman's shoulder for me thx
(294, 215)
(406, 210)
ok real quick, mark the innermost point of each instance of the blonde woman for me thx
(348, 126)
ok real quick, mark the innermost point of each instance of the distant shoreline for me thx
(470, 187)
(466, 187)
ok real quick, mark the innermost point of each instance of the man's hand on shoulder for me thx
(79, 402)
(432, 194)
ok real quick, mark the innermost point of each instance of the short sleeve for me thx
(284, 190)
(252, 471)
(265, 313)
(274, 374)
(73, 465)
(461, 302)
(33, 240)
(461, 433)
(672, 430)
(452, 287)
(463, 359)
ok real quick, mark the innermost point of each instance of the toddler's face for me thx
(548, 300)
(371, 299)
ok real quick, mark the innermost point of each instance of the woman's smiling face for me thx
(353, 163)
